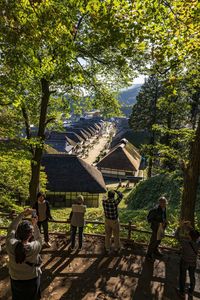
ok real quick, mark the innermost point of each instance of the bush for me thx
(146, 193)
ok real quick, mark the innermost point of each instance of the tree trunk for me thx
(36, 161)
(191, 180)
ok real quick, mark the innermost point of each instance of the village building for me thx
(123, 161)
(69, 176)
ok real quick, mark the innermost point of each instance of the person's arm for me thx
(49, 216)
(177, 234)
(36, 244)
(119, 198)
(10, 239)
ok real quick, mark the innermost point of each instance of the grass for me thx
(136, 216)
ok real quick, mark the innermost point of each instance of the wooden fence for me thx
(130, 227)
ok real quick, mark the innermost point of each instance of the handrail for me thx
(130, 227)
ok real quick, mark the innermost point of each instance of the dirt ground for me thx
(95, 151)
(90, 274)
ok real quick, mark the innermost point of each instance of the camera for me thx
(34, 214)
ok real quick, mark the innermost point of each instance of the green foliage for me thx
(146, 193)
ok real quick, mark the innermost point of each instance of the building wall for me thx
(117, 173)
(62, 199)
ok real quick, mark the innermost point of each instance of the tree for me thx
(52, 48)
(145, 114)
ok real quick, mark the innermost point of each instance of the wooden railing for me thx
(130, 227)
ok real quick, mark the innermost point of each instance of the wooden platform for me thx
(89, 274)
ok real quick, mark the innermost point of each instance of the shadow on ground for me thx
(89, 274)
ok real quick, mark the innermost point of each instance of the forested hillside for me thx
(128, 96)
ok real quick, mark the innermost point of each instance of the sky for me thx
(139, 79)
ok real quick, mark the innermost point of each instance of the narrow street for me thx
(95, 151)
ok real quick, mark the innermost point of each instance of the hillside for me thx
(128, 96)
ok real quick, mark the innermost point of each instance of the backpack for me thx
(150, 215)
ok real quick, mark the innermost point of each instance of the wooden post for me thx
(129, 230)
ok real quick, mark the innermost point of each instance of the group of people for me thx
(24, 242)
(188, 237)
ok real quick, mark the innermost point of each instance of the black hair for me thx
(22, 234)
(40, 194)
(194, 234)
(111, 194)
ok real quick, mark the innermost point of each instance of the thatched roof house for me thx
(122, 161)
(68, 176)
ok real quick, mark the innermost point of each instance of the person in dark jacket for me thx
(44, 214)
(189, 252)
(158, 220)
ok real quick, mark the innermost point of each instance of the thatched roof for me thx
(69, 173)
(74, 137)
(56, 135)
(122, 157)
(78, 131)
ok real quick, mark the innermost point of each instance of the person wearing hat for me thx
(110, 206)
(77, 221)
(44, 215)
(23, 245)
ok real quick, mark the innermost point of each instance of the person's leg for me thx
(182, 276)
(26, 289)
(153, 244)
(115, 227)
(73, 236)
(80, 237)
(46, 231)
(108, 234)
(39, 225)
(191, 270)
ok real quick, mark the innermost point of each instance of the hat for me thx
(79, 199)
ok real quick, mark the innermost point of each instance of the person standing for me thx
(44, 214)
(23, 245)
(158, 220)
(77, 221)
(189, 253)
(110, 206)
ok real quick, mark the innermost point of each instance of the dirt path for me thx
(95, 151)
(91, 275)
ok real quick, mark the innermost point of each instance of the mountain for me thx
(128, 96)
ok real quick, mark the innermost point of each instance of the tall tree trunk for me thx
(36, 161)
(191, 180)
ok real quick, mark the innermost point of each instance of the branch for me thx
(78, 25)
(50, 120)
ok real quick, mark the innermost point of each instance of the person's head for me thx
(185, 223)
(111, 194)
(24, 233)
(40, 197)
(79, 199)
(162, 201)
(194, 234)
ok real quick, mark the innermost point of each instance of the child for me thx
(77, 220)
(188, 261)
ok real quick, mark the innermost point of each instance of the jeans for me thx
(153, 244)
(184, 266)
(44, 225)
(26, 289)
(73, 236)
